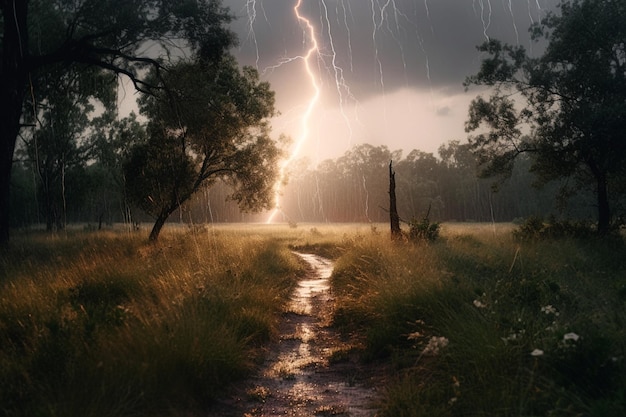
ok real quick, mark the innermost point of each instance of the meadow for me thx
(475, 323)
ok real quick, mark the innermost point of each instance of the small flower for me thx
(536, 352)
(434, 344)
(570, 336)
(479, 304)
(452, 400)
(549, 309)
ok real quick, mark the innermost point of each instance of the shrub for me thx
(535, 228)
(423, 230)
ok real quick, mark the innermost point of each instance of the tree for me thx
(113, 141)
(394, 219)
(419, 184)
(58, 143)
(570, 106)
(210, 122)
(123, 37)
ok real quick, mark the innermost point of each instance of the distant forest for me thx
(351, 188)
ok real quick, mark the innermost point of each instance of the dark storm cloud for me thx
(384, 45)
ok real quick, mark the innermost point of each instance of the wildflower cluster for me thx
(549, 309)
(435, 344)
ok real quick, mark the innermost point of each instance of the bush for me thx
(423, 230)
(535, 228)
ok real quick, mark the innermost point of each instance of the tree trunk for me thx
(604, 210)
(158, 225)
(6, 161)
(602, 197)
(12, 89)
(393, 210)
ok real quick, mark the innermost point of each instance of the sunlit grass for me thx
(479, 324)
(475, 323)
(105, 324)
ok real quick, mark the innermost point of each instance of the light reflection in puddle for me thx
(308, 288)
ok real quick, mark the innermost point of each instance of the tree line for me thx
(351, 188)
(446, 187)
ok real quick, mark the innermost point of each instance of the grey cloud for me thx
(419, 44)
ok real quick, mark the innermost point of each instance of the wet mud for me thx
(308, 371)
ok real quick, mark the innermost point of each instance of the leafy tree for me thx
(210, 122)
(113, 140)
(58, 143)
(365, 176)
(566, 107)
(123, 37)
(418, 185)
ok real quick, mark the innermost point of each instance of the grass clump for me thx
(107, 325)
(480, 324)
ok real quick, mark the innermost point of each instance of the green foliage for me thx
(159, 175)
(423, 230)
(535, 228)
(209, 123)
(48, 44)
(572, 101)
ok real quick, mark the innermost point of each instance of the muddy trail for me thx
(302, 375)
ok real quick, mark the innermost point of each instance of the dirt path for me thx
(297, 378)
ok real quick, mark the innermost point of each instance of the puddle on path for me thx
(297, 379)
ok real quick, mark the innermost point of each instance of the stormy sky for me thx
(389, 71)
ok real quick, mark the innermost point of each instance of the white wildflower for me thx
(536, 352)
(434, 344)
(571, 336)
(549, 309)
(479, 304)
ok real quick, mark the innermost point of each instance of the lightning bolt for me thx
(487, 21)
(304, 134)
(513, 20)
(388, 19)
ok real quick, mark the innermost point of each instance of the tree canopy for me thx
(567, 107)
(124, 38)
(211, 121)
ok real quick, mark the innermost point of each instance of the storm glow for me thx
(382, 72)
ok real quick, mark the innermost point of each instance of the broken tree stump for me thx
(396, 233)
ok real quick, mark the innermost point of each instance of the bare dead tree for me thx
(393, 210)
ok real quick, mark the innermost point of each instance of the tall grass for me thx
(107, 325)
(478, 324)
(475, 323)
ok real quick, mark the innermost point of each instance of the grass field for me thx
(105, 324)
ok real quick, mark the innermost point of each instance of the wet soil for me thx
(309, 371)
